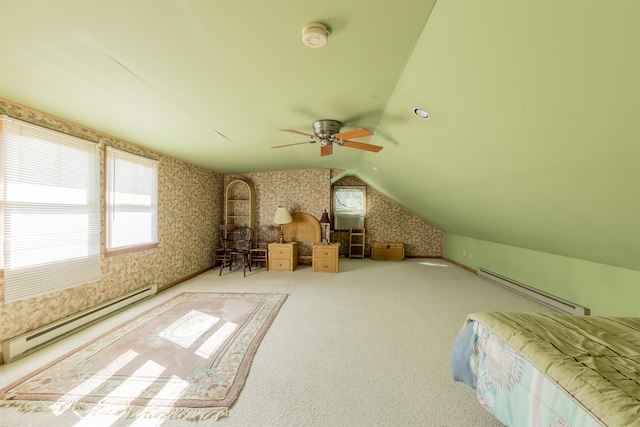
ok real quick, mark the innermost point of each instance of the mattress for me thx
(553, 370)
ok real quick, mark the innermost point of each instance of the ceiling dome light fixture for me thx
(315, 35)
(421, 113)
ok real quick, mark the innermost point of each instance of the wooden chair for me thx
(218, 251)
(237, 248)
(260, 253)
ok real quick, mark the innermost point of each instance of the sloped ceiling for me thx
(534, 139)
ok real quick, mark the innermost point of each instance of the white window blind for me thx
(51, 198)
(132, 200)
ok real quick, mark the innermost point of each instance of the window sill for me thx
(129, 249)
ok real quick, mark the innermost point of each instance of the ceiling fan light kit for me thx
(325, 128)
(315, 35)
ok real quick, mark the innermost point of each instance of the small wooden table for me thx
(283, 256)
(325, 258)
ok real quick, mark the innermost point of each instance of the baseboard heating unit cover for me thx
(20, 345)
(551, 301)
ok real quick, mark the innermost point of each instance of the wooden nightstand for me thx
(325, 258)
(283, 256)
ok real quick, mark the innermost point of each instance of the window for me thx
(51, 210)
(349, 207)
(132, 201)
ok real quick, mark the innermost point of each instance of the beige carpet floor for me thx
(369, 346)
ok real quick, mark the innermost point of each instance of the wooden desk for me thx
(283, 256)
(325, 258)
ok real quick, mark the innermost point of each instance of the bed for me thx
(304, 229)
(537, 369)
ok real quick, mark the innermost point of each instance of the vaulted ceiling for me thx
(534, 135)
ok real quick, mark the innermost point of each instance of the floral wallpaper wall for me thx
(387, 221)
(309, 190)
(301, 190)
(191, 206)
(190, 202)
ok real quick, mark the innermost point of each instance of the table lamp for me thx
(282, 217)
(324, 220)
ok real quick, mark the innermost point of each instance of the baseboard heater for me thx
(551, 301)
(22, 344)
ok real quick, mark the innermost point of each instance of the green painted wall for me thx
(605, 289)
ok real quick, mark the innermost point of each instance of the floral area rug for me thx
(184, 359)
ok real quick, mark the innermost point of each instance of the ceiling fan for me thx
(327, 132)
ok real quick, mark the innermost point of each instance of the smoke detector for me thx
(315, 35)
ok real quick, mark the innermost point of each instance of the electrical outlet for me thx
(464, 252)
(470, 255)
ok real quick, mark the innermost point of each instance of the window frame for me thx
(337, 212)
(152, 207)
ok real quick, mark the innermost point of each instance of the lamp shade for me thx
(324, 219)
(282, 215)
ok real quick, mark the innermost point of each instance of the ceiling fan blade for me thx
(362, 146)
(326, 150)
(295, 143)
(298, 132)
(356, 133)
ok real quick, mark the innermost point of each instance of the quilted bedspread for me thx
(595, 360)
